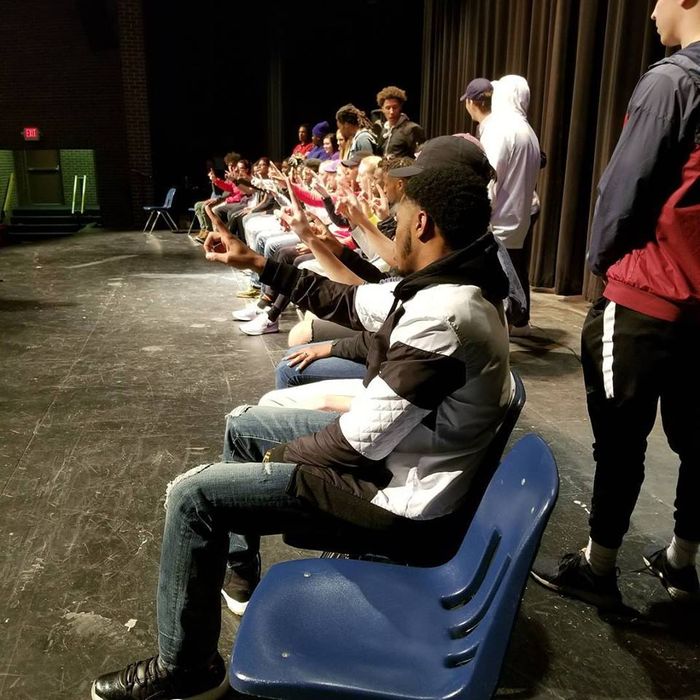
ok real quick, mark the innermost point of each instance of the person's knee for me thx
(181, 492)
(284, 375)
(301, 333)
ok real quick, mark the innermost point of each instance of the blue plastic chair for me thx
(338, 628)
(155, 212)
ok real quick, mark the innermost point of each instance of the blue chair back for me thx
(329, 628)
(169, 197)
(483, 595)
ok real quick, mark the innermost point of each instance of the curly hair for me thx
(349, 114)
(391, 93)
(456, 200)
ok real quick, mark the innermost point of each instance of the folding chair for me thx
(338, 628)
(155, 212)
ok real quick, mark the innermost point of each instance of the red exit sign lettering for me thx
(31, 133)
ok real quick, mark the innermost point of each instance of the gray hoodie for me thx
(514, 153)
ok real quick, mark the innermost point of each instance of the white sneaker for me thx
(259, 326)
(237, 607)
(248, 313)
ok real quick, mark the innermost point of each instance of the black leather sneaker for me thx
(239, 584)
(572, 576)
(148, 680)
(681, 584)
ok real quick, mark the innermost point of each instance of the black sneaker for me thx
(572, 576)
(147, 680)
(681, 584)
(239, 585)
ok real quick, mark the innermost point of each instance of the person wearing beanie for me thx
(318, 133)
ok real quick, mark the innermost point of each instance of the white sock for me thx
(601, 559)
(681, 553)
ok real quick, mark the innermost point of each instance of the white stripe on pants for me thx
(608, 333)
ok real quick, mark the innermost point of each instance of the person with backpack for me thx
(640, 341)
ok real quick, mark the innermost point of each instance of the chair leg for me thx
(148, 221)
(189, 230)
(155, 221)
(171, 221)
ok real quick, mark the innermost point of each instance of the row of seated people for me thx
(389, 454)
(406, 261)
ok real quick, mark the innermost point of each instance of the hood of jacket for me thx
(476, 264)
(511, 95)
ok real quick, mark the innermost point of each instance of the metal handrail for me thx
(9, 194)
(83, 190)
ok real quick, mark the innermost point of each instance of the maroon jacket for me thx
(646, 230)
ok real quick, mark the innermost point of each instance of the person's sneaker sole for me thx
(599, 601)
(247, 315)
(235, 606)
(272, 328)
(676, 593)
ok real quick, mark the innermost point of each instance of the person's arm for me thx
(224, 185)
(361, 267)
(643, 171)
(422, 367)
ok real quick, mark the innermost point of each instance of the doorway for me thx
(40, 180)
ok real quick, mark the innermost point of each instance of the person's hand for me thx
(318, 187)
(302, 248)
(349, 206)
(298, 222)
(305, 356)
(211, 175)
(380, 204)
(230, 250)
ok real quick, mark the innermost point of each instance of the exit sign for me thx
(31, 133)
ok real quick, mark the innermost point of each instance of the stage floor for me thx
(119, 361)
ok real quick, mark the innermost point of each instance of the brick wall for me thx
(63, 74)
(79, 161)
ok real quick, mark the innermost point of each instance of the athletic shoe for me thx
(250, 293)
(681, 584)
(147, 679)
(520, 331)
(572, 576)
(259, 326)
(239, 585)
(249, 312)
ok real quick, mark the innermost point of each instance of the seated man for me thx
(394, 461)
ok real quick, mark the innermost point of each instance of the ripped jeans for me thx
(205, 505)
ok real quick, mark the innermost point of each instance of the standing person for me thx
(400, 137)
(640, 341)
(356, 129)
(514, 152)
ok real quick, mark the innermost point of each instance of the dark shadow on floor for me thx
(665, 641)
(16, 305)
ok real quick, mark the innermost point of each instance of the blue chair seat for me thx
(331, 628)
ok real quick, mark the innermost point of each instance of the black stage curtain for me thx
(582, 60)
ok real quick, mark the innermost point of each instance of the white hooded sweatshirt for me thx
(514, 153)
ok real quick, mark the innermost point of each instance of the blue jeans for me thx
(203, 506)
(318, 371)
